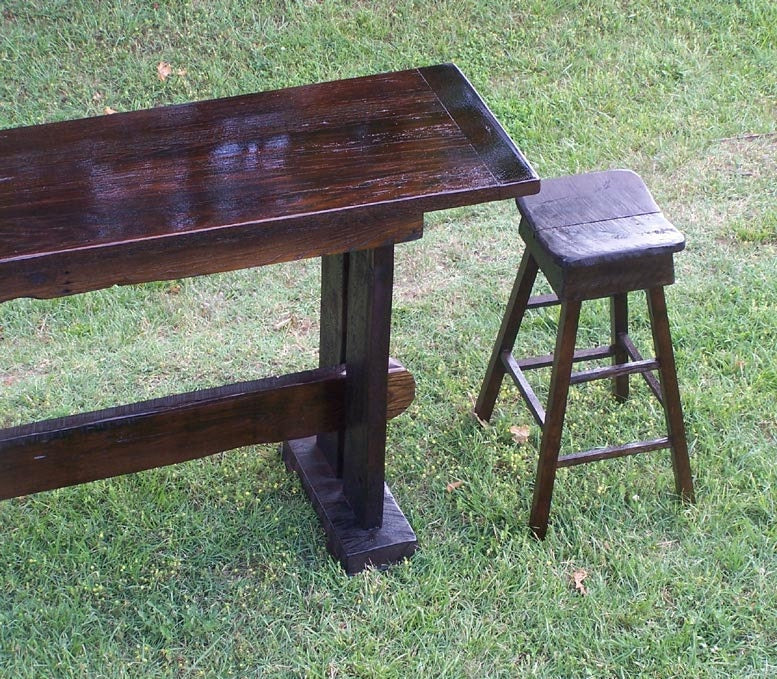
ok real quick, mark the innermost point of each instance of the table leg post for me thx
(334, 305)
(363, 523)
(367, 349)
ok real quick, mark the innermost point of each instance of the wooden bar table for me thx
(342, 171)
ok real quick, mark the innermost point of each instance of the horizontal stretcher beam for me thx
(597, 454)
(97, 445)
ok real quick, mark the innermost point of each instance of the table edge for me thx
(489, 139)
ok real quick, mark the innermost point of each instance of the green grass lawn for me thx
(217, 568)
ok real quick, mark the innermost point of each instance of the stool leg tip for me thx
(687, 496)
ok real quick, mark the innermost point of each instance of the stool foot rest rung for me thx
(634, 355)
(539, 301)
(534, 362)
(596, 454)
(613, 371)
(514, 370)
(637, 365)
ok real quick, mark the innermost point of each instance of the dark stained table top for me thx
(372, 147)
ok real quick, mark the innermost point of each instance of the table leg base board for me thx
(353, 546)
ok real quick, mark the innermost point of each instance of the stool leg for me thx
(662, 340)
(619, 323)
(554, 418)
(516, 307)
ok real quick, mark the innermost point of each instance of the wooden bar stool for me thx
(592, 235)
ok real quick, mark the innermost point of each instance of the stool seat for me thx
(599, 233)
(593, 235)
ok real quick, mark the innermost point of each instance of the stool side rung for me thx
(597, 454)
(533, 403)
(546, 361)
(613, 371)
(539, 301)
(655, 386)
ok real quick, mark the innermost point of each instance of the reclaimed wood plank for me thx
(89, 446)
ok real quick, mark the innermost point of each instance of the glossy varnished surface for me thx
(342, 170)
(357, 150)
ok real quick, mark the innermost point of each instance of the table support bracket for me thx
(353, 546)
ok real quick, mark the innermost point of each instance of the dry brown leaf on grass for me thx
(163, 70)
(483, 423)
(108, 111)
(577, 580)
(520, 434)
(453, 485)
(282, 323)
